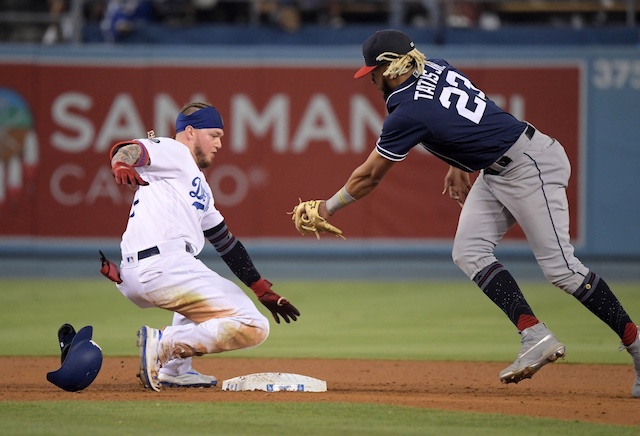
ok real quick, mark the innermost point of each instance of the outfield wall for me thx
(290, 112)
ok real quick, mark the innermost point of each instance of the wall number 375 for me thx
(616, 73)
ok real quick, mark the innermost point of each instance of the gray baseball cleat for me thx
(148, 340)
(634, 350)
(190, 379)
(539, 347)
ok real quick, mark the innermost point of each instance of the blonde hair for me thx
(192, 107)
(401, 64)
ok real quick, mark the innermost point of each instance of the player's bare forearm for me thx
(360, 183)
(368, 175)
(129, 154)
(124, 157)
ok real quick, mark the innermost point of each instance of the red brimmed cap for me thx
(380, 42)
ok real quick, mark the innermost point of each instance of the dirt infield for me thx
(565, 391)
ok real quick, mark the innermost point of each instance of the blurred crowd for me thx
(54, 21)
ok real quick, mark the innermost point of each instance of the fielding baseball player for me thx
(524, 174)
(172, 215)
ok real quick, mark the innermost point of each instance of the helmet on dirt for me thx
(81, 359)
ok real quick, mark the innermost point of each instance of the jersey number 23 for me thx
(464, 90)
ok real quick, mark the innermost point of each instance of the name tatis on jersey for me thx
(428, 80)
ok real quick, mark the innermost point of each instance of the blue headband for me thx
(205, 118)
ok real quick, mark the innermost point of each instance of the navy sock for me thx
(500, 286)
(596, 296)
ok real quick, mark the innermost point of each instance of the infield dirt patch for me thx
(594, 393)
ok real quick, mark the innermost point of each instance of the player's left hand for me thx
(275, 303)
(457, 184)
(126, 174)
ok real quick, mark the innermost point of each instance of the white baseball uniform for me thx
(164, 233)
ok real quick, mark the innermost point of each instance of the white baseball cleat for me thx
(190, 379)
(148, 340)
(539, 347)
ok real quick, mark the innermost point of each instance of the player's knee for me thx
(261, 333)
(567, 282)
(248, 335)
(458, 256)
(464, 258)
(235, 334)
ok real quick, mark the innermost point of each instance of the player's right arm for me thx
(360, 183)
(368, 175)
(133, 153)
(125, 156)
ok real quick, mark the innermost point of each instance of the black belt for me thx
(499, 165)
(529, 131)
(155, 250)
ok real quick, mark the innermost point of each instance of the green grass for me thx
(282, 419)
(430, 321)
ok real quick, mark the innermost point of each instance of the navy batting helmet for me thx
(81, 359)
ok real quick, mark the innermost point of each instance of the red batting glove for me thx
(109, 269)
(275, 303)
(125, 174)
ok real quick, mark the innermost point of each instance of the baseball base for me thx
(273, 382)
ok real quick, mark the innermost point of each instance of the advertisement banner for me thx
(290, 133)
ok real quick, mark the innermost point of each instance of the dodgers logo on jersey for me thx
(200, 194)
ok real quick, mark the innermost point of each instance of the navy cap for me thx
(380, 42)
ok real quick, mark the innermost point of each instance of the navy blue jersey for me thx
(443, 111)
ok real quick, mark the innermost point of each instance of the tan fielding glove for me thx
(307, 219)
